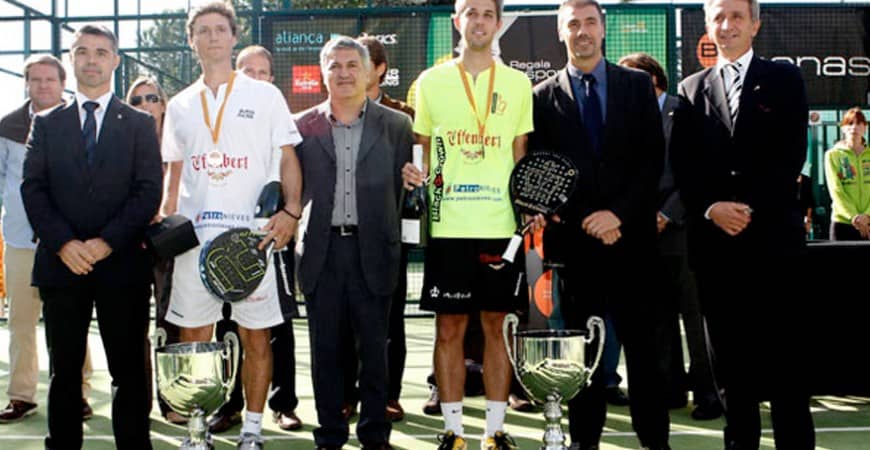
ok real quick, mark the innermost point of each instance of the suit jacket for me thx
(756, 160)
(673, 239)
(625, 178)
(114, 198)
(384, 148)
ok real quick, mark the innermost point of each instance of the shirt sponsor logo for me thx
(246, 113)
(472, 146)
(306, 79)
(218, 165)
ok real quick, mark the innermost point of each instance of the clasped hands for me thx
(731, 217)
(602, 225)
(81, 256)
(861, 222)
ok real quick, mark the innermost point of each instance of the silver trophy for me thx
(551, 367)
(195, 379)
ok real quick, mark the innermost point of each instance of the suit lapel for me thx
(567, 102)
(751, 88)
(614, 104)
(714, 90)
(325, 138)
(70, 121)
(372, 129)
(113, 122)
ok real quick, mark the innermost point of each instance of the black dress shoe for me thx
(616, 396)
(219, 423)
(707, 411)
(377, 447)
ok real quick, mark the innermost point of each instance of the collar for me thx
(103, 100)
(380, 97)
(334, 121)
(742, 63)
(598, 71)
(662, 99)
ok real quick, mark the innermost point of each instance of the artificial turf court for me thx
(842, 423)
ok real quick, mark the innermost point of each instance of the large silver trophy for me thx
(195, 379)
(551, 367)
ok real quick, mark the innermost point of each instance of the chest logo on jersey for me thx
(245, 113)
(472, 146)
(218, 165)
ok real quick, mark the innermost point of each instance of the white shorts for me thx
(192, 306)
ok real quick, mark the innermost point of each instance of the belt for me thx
(345, 230)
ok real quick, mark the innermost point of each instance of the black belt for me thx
(345, 230)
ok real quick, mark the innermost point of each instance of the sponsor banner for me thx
(530, 44)
(295, 43)
(404, 37)
(828, 44)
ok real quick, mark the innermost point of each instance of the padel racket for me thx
(230, 265)
(541, 183)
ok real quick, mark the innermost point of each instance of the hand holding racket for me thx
(541, 183)
(233, 264)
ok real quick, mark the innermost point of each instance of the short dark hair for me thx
(377, 52)
(224, 9)
(581, 4)
(48, 60)
(256, 50)
(459, 6)
(649, 65)
(98, 30)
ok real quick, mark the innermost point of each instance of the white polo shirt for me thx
(220, 183)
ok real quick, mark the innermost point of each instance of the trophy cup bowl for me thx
(551, 367)
(195, 379)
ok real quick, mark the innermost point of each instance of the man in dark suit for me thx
(738, 148)
(677, 282)
(351, 154)
(91, 184)
(605, 118)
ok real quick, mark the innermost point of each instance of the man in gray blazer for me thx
(351, 154)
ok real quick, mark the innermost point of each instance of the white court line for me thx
(399, 437)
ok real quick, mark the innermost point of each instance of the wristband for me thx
(295, 216)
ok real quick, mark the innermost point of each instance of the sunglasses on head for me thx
(136, 100)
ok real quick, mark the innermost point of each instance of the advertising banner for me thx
(828, 44)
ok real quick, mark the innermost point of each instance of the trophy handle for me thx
(509, 327)
(231, 351)
(159, 338)
(591, 324)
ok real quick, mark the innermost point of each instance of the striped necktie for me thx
(732, 91)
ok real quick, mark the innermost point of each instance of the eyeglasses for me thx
(136, 100)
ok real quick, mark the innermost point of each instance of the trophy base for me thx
(554, 437)
(198, 437)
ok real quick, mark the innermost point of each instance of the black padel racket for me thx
(541, 183)
(231, 266)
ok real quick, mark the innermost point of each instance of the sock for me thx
(253, 423)
(494, 417)
(452, 413)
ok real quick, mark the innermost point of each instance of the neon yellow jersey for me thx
(848, 178)
(469, 173)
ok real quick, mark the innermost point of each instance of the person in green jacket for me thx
(847, 171)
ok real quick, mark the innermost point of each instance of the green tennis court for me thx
(842, 423)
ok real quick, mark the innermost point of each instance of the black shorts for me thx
(468, 275)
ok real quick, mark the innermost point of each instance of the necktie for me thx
(732, 93)
(592, 113)
(89, 130)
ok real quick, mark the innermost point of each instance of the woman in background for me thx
(847, 172)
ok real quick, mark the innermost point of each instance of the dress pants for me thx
(340, 304)
(122, 315)
(617, 280)
(397, 349)
(754, 333)
(24, 310)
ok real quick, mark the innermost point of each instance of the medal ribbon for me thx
(216, 131)
(481, 125)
